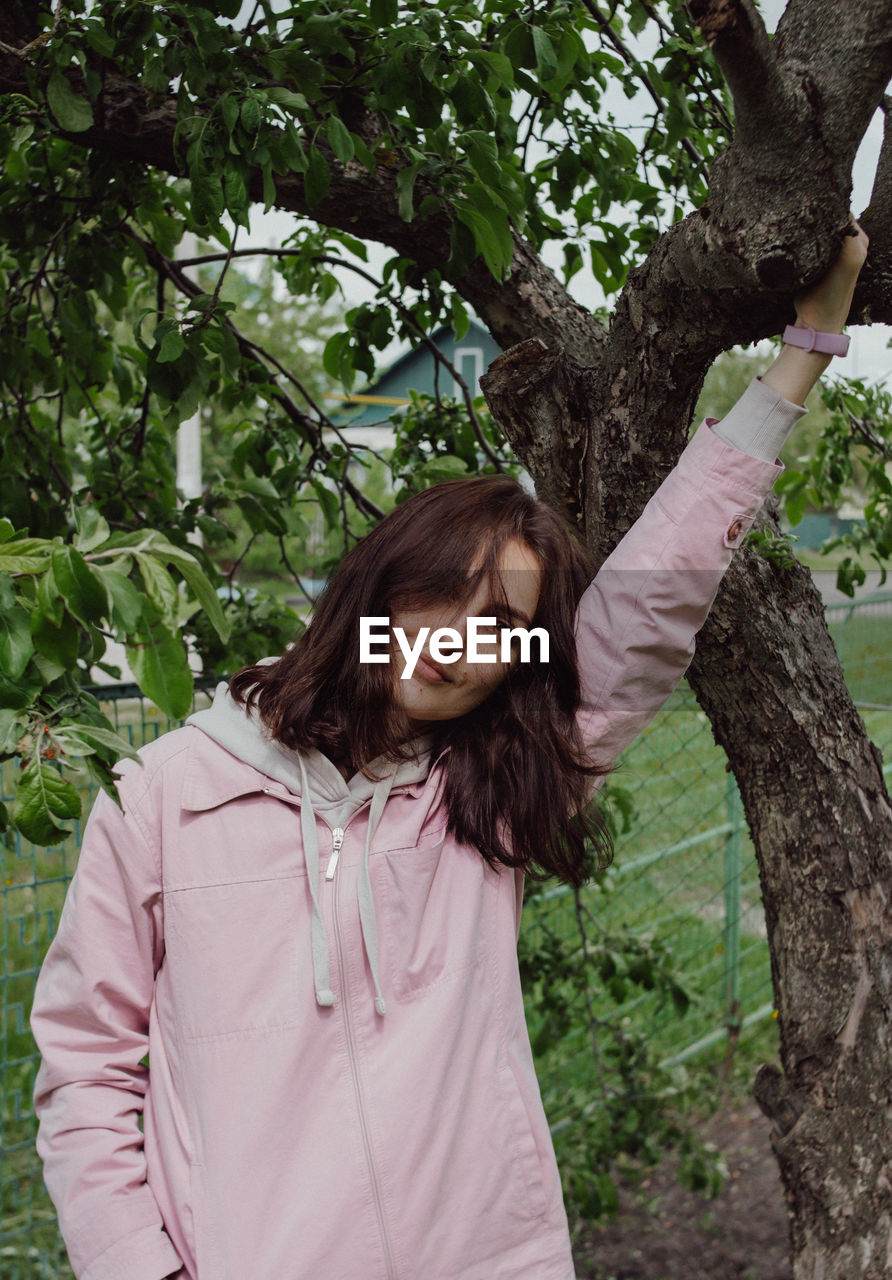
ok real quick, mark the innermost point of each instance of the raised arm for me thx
(637, 622)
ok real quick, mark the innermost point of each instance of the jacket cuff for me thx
(146, 1254)
(759, 423)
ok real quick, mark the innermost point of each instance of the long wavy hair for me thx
(518, 779)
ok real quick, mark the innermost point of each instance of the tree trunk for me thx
(768, 677)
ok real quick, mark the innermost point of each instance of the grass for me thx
(682, 794)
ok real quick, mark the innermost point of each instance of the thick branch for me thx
(735, 32)
(137, 127)
(840, 56)
(539, 397)
(873, 299)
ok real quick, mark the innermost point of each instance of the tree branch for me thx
(137, 127)
(538, 396)
(841, 58)
(311, 430)
(736, 34)
(873, 296)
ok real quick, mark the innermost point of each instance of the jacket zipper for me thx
(337, 841)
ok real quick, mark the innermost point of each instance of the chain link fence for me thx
(685, 872)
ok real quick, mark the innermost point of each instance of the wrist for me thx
(823, 322)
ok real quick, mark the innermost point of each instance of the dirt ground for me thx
(664, 1232)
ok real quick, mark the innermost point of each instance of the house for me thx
(373, 409)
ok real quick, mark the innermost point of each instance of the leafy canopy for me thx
(137, 123)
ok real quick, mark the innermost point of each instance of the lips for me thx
(430, 670)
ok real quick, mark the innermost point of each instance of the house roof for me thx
(416, 369)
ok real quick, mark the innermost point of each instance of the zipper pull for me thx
(337, 839)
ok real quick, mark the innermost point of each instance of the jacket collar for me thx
(214, 776)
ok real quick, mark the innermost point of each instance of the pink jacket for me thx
(284, 1137)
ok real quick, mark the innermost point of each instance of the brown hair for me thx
(517, 775)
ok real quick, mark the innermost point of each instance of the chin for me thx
(421, 702)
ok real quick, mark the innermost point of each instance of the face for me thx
(446, 691)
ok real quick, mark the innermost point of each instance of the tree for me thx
(467, 138)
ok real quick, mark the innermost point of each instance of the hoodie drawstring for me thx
(366, 901)
(319, 938)
(367, 919)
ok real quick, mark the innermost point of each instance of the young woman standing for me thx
(306, 911)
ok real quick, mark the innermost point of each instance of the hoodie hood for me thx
(243, 734)
(325, 792)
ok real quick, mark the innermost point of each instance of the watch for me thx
(828, 344)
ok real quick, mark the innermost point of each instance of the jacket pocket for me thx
(432, 903)
(233, 956)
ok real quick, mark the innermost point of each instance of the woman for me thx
(307, 910)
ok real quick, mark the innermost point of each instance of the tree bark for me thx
(598, 418)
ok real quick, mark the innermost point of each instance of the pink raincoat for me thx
(341, 1083)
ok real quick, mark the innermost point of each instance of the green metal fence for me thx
(686, 872)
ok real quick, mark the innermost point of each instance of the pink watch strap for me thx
(828, 344)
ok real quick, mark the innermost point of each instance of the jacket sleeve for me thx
(636, 623)
(90, 1020)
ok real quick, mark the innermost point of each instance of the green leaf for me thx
(317, 178)
(172, 347)
(99, 39)
(339, 139)
(10, 731)
(160, 587)
(444, 467)
(207, 199)
(207, 597)
(50, 604)
(287, 100)
(21, 564)
(492, 235)
(405, 186)
(461, 321)
(57, 642)
(158, 660)
(16, 645)
(328, 501)
(546, 58)
(7, 529)
(251, 115)
(92, 527)
(79, 586)
(483, 154)
(95, 736)
(795, 505)
(73, 113)
(334, 353)
(41, 797)
(498, 63)
(127, 603)
(384, 13)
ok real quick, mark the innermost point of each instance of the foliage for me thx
(56, 599)
(853, 453)
(621, 1105)
(498, 119)
(840, 453)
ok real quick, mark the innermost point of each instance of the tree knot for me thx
(778, 1100)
